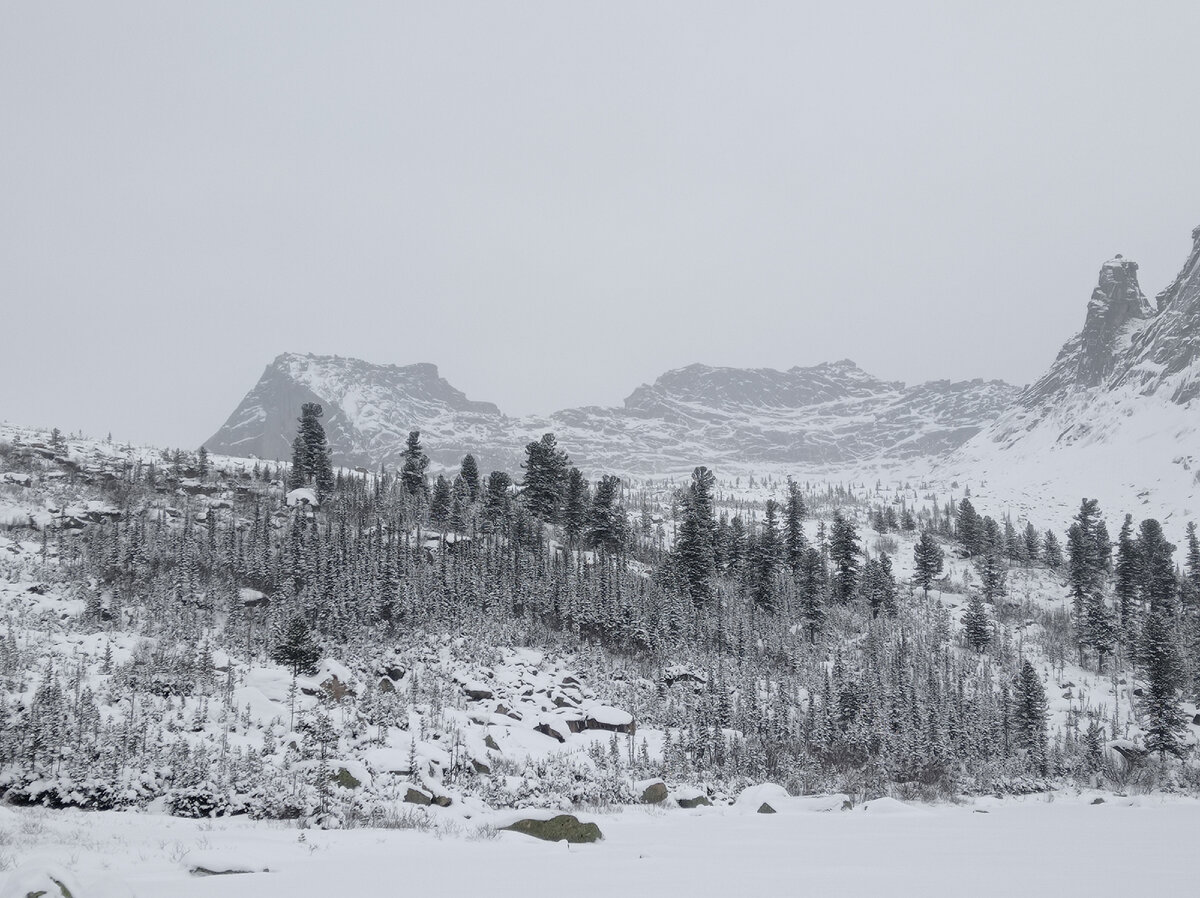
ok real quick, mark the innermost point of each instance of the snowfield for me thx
(1043, 845)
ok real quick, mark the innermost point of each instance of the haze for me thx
(556, 202)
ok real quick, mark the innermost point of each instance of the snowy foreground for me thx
(1035, 846)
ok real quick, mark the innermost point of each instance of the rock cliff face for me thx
(1164, 358)
(823, 416)
(1116, 311)
(1117, 416)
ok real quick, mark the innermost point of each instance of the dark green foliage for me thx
(1052, 551)
(811, 585)
(412, 474)
(1127, 572)
(794, 542)
(878, 586)
(1163, 666)
(765, 561)
(295, 647)
(1099, 629)
(439, 504)
(469, 471)
(929, 560)
(576, 507)
(977, 626)
(695, 542)
(993, 574)
(606, 519)
(1156, 567)
(970, 528)
(545, 480)
(843, 557)
(1029, 716)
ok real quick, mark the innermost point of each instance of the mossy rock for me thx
(696, 802)
(63, 891)
(556, 829)
(345, 779)
(416, 796)
(654, 793)
(765, 808)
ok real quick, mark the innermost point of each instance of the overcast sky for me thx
(556, 201)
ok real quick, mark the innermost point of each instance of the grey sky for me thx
(556, 202)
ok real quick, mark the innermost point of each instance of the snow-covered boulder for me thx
(302, 496)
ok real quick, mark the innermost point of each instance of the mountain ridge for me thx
(825, 414)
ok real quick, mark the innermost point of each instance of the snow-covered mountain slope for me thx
(1117, 416)
(831, 414)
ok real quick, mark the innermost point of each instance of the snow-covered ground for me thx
(1042, 845)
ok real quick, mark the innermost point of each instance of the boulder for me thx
(765, 808)
(563, 827)
(654, 792)
(344, 778)
(695, 801)
(1196, 720)
(602, 717)
(386, 685)
(335, 688)
(490, 742)
(416, 796)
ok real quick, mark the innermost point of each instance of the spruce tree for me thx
(1192, 569)
(1099, 628)
(1157, 567)
(1052, 551)
(575, 507)
(970, 528)
(1033, 544)
(606, 520)
(993, 574)
(439, 505)
(928, 559)
(794, 542)
(810, 590)
(977, 626)
(1029, 716)
(766, 559)
(843, 556)
(469, 470)
(695, 541)
(1164, 675)
(1128, 572)
(545, 478)
(295, 647)
(412, 474)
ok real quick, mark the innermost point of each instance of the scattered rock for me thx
(416, 796)
(655, 792)
(980, 811)
(1097, 801)
(335, 688)
(556, 829)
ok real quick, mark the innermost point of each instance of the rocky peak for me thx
(1115, 312)
(1164, 358)
(1116, 301)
